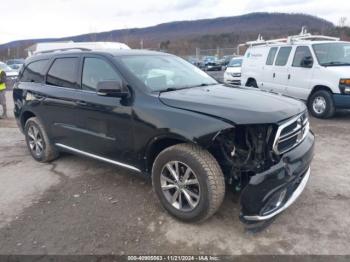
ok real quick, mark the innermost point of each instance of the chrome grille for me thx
(291, 133)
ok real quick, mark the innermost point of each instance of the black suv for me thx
(158, 115)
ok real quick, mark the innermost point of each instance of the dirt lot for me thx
(80, 206)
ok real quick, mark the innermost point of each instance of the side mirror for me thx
(307, 62)
(112, 88)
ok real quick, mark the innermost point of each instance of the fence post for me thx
(198, 51)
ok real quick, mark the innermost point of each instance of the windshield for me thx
(235, 63)
(165, 72)
(332, 54)
(5, 67)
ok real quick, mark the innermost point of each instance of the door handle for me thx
(274, 75)
(81, 103)
(288, 76)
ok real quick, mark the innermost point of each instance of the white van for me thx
(315, 69)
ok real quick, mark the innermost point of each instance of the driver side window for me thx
(96, 70)
(302, 55)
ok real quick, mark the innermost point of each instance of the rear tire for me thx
(194, 201)
(321, 104)
(38, 142)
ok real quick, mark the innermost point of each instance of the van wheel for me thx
(189, 182)
(321, 104)
(252, 83)
(38, 142)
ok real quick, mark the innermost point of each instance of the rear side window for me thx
(271, 55)
(96, 70)
(34, 72)
(63, 72)
(301, 54)
(283, 55)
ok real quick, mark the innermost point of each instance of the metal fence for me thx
(218, 53)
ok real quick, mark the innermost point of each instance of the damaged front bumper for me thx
(271, 192)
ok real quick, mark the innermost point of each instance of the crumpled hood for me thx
(238, 105)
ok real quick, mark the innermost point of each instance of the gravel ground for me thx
(80, 206)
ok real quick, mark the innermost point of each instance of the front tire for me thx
(252, 83)
(321, 104)
(189, 182)
(38, 142)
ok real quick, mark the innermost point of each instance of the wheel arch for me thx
(318, 88)
(158, 144)
(250, 79)
(25, 116)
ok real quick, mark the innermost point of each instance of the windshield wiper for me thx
(169, 89)
(335, 63)
(204, 84)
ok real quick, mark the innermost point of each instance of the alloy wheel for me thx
(35, 141)
(180, 186)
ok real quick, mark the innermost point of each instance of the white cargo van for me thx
(312, 68)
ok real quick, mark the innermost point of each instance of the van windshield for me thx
(333, 54)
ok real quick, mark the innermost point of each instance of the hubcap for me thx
(180, 186)
(36, 142)
(319, 104)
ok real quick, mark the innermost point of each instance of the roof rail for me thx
(302, 36)
(62, 49)
(50, 47)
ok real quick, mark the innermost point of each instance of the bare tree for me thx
(342, 21)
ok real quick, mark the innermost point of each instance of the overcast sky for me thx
(23, 19)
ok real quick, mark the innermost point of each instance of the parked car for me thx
(315, 69)
(211, 63)
(156, 114)
(15, 64)
(213, 66)
(232, 74)
(11, 74)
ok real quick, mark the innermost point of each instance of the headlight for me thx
(236, 74)
(344, 86)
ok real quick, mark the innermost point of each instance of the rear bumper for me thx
(213, 67)
(273, 191)
(341, 101)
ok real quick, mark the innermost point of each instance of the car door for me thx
(104, 123)
(280, 72)
(268, 82)
(59, 101)
(300, 73)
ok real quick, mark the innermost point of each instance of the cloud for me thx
(58, 18)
